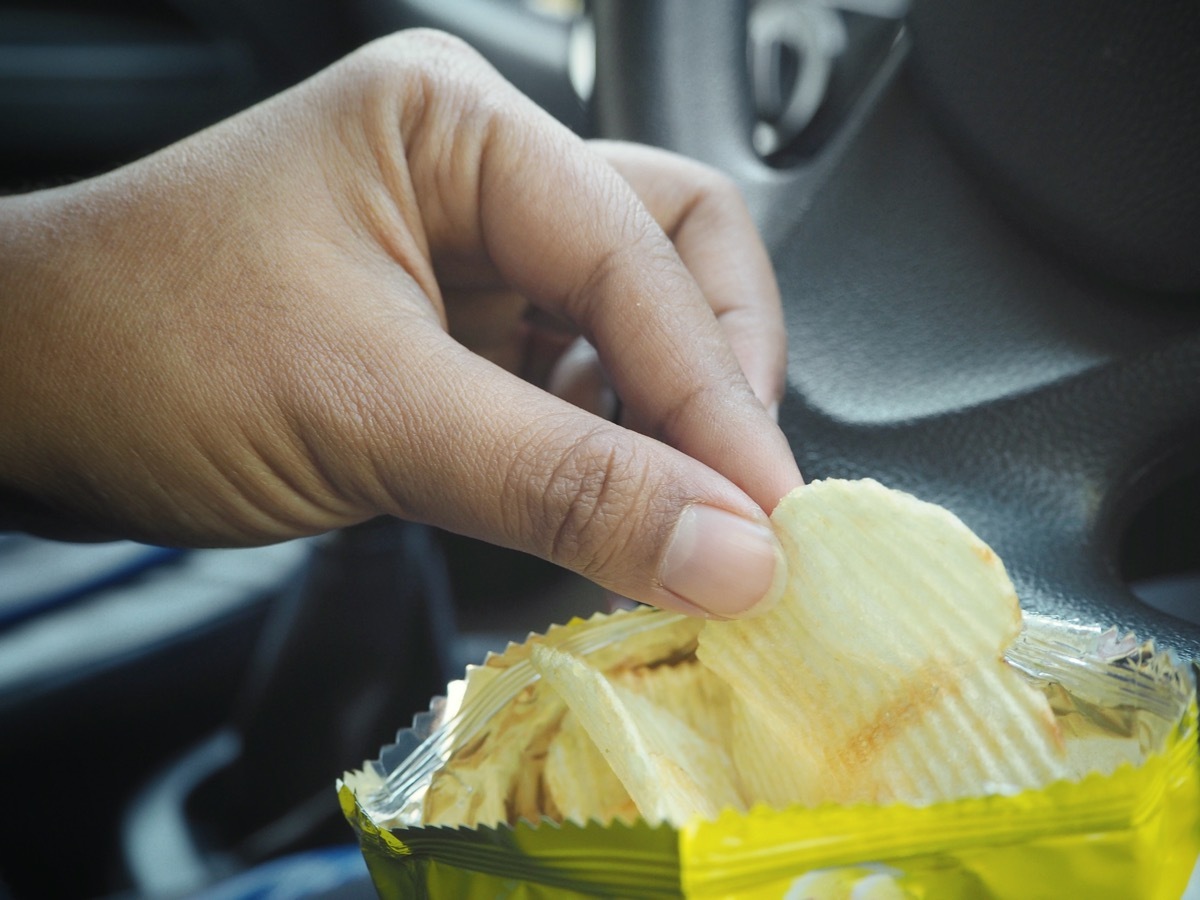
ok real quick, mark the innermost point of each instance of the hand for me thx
(318, 311)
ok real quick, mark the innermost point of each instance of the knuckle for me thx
(375, 63)
(420, 58)
(698, 405)
(638, 255)
(439, 41)
(589, 501)
(417, 46)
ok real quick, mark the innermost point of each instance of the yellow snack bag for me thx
(710, 759)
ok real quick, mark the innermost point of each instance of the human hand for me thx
(316, 312)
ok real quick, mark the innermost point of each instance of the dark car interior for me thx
(985, 220)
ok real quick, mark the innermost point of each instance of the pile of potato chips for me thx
(878, 677)
(878, 681)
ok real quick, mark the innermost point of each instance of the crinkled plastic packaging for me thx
(1130, 829)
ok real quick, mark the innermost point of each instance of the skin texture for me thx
(350, 300)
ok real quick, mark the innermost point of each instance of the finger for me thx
(476, 450)
(620, 279)
(705, 216)
(566, 231)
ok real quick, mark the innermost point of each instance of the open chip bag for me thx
(891, 727)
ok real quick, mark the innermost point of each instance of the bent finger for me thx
(498, 179)
(567, 231)
(704, 215)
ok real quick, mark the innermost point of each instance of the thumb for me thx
(486, 454)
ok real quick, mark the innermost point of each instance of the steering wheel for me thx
(975, 310)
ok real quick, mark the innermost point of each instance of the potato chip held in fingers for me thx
(883, 661)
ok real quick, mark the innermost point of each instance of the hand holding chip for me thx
(317, 312)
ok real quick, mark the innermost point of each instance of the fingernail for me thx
(722, 563)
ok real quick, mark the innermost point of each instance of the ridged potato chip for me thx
(496, 775)
(496, 778)
(579, 783)
(772, 767)
(882, 665)
(691, 692)
(671, 772)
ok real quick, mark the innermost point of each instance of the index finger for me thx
(563, 228)
(704, 215)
